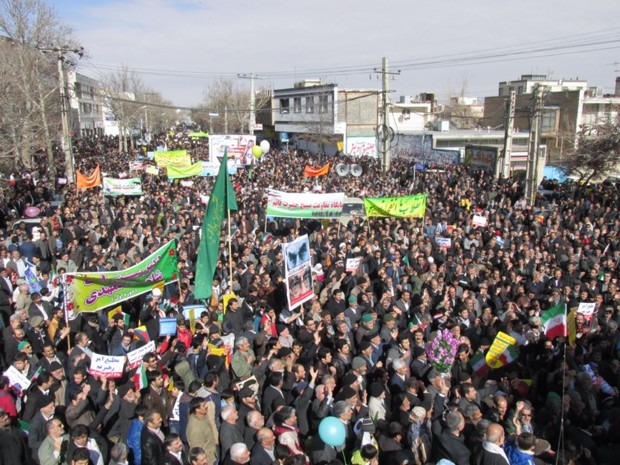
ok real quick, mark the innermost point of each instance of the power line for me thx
(491, 55)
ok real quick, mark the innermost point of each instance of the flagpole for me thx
(560, 449)
(230, 263)
(64, 299)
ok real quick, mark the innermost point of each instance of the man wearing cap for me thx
(151, 313)
(45, 407)
(420, 367)
(37, 334)
(354, 310)
(366, 326)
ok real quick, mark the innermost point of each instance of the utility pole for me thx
(534, 148)
(61, 53)
(504, 169)
(251, 77)
(384, 131)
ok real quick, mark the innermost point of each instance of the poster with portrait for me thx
(298, 269)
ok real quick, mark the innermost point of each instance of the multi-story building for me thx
(85, 110)
(567, 106)
(325, 118)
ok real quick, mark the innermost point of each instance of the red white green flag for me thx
(554, 321)
(479, 364)
(139, 379)
(502, 352)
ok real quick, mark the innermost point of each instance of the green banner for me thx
(172, 158)
(411, 206)
(117, 187)
(89, 292)
(222, 199)
(176, 172)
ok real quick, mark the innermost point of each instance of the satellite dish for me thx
(342, 169)
(356, 170)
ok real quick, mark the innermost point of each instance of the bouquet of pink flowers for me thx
(441, 351)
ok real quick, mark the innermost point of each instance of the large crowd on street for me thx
(357, 353)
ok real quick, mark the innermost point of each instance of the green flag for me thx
(222, 198)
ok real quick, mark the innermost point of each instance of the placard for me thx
(586, 308)
(134, 358)
(167, 326)
(353, 264)
(443, 242)
(479, 220)
(109, 365)
(16, 379)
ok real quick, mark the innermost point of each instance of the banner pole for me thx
(230, 263)
(64, 299)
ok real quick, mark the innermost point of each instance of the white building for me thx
(85, 114)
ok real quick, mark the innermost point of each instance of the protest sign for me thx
(353, 264)
(586, 308)
(479, 220)
(134, 358)
(443, 242)
(16, 379)
(110, 366)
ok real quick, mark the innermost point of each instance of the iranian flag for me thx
(139, 379)
(509, 355)
(479, 364)
(554, 321)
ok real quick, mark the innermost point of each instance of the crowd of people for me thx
(356, 352)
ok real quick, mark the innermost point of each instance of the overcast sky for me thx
(181, 46)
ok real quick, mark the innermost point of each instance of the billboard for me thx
(481, 157)
(239, 148)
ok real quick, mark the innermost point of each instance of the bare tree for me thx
(120, 91)
(597, 153)
(232, 104)
(31, 100)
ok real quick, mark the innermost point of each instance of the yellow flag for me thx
(226, 298)
(572, 330)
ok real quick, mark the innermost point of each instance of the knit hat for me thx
(357, 363)
(22, 344)
(367, 318)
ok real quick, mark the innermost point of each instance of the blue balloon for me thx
(332, 431)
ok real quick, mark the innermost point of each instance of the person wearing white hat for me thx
(151, 313)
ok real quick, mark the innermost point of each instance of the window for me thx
(309, 104)
(297, 104)
(323, 103)
(284, 106)
(501, 91)
(520, 90)
(549, 121)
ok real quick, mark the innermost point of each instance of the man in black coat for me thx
(447, 442)
(263, 452)
(491, 452)
(12, 446)
(152, 439)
